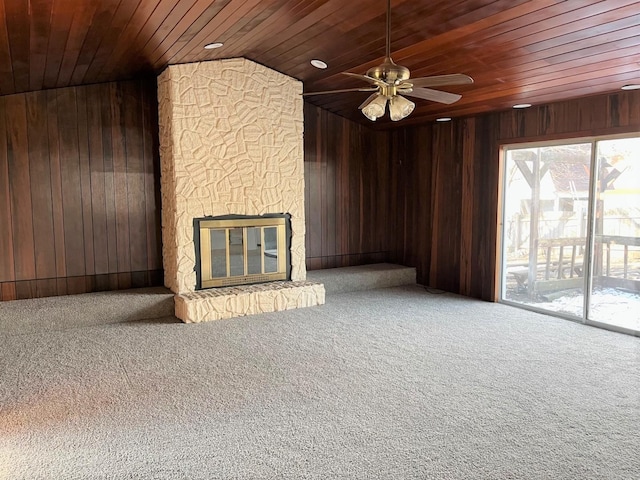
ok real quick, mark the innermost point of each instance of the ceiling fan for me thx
(389, 82)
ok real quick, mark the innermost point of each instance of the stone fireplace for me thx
(230, 145)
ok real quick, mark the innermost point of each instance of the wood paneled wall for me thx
(79, 190)
(347, 193)
(445, 179)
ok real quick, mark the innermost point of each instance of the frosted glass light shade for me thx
(375, 108)
(400, 107)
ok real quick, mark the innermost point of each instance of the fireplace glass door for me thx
(241, 251)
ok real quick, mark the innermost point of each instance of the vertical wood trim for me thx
(309, 134)
(435, 205)
(43, 228)
(309, 154)
(7, 78)
(46, 287)
(494, 296)
(343, 199)
(109, 176)
(423, 213)
(401, 164)
(71, 182)
(61, 286)
(76, 285)
(7, 269)
(354, 179)
(85, 180)
(394, 231)
(151, 173)
(56, 184)
(20, 183)
(118, 141)
(492, 186)
(468, 150)
(26, 289)
(18, 36)
(97, 181)
(134, 154)
(321, 172)
(8, 291)
(124, 280)
(313, 184)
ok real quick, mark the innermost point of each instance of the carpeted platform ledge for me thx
(85, 310)
(229, 302)
(363, 277)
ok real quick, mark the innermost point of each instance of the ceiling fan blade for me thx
(439, 80)
(343, 90)
(366, 78)
(433, 95)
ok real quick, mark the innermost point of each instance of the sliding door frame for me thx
(591, 224)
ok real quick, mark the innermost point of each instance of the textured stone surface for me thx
(231, 142)
(219, 303)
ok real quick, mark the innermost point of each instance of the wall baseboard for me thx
(52, 287)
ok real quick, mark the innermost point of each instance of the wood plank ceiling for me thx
(533, 51)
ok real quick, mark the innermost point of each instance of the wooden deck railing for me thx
(611, 274)
(562, 266)
(607, 241)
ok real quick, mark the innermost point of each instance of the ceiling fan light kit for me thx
(400, 107)
(375, 107)
(388, 80)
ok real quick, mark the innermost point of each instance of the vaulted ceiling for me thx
(533, 51)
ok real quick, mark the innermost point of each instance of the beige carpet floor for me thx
(393, 383)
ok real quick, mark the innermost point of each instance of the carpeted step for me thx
(363, 277)
(84, 310)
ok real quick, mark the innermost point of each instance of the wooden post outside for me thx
(533, 225)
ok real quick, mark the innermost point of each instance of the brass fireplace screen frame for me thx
(224, 228)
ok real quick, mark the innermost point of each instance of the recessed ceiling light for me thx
(443, 119)
(522, 105)
(211, 46)
(318, 63)
(631, 86)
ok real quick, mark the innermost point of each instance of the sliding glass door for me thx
(571, 230)
(615, 276)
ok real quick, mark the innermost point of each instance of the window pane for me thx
(218, 253)
(545, 230)
(235, 251)
(270, 249)
(615, 292)
(254, 264)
